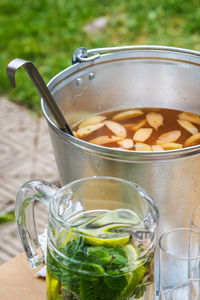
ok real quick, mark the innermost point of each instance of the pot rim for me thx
(119, 154)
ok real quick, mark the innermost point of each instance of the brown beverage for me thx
(141, 129)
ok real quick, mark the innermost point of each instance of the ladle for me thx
(41, 87)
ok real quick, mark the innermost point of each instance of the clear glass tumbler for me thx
(179, 258)
(186, 290)
(194, 219)
(101, 238)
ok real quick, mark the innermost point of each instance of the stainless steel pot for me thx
(127, 77)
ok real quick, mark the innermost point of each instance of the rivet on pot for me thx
(91, 76)
(79, 81)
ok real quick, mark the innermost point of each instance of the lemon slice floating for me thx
(53, 287)
(131, 253)
(135, 276)
(105, 235)
(96, 237)
(108, 229)
(105, 229)
(107, 242)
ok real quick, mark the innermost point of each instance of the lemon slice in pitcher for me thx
(103, 240)
(131, 254)
(137, 271)
(109, 228)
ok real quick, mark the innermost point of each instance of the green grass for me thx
(7, 218)
(47, 32)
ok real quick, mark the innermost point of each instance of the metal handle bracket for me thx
(81, 55)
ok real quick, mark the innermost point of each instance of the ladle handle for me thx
(41, 87)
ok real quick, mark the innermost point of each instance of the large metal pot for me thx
(127, 77)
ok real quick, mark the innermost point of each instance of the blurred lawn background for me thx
(47, 32)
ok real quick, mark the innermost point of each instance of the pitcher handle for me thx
(24, 211)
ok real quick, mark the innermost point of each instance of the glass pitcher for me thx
(100, 239)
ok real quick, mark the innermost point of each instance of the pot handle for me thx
(24, 211)
(83, 55)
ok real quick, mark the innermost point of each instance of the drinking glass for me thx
(100, 240)
(186, 290)
(194, 219)
(179, 258)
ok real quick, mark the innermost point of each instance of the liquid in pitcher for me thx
(101, 257)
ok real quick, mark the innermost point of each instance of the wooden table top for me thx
(18, 281)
